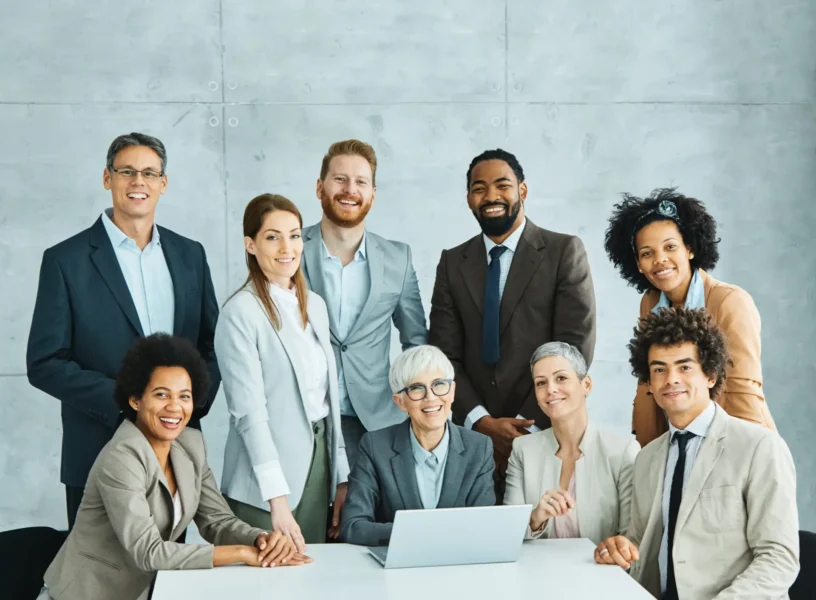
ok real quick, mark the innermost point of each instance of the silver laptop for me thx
(455, 536)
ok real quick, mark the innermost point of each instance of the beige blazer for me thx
(734, 312)
(737, 530)
(603, 479)
(123, 535)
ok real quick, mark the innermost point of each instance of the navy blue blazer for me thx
(85, 321)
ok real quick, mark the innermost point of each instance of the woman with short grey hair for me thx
(424, 462)
(578, 476)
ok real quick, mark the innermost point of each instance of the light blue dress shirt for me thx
(147, 277)
(695, 297)
(699, 427)
(347, 290)
(430, 468)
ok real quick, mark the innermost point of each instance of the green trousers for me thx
(313, 510)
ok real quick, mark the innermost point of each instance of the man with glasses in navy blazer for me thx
(100, 290)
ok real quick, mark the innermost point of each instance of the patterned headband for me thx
(666, 209)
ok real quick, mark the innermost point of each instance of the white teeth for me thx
(555, 401)
(494, 209)
(137, 196)
(169, 420)
(432, 410)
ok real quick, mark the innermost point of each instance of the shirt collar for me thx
(695, 298)
(281, 295)
(698, 426)
(511, 243)
(360, 255)
(421, 455)
(118, 237)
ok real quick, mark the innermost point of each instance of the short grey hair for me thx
(414, 362)
(564, 350)
(136, 139)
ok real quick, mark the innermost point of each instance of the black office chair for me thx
(804, 588)
(24, 557)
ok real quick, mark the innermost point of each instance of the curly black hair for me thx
(497, 154)
(698, 228)
(154, 351)
(675, 326)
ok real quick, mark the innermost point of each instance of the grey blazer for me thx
(384, 481)
(123, 535)
(365, 353)
(603, 479)
(270, 440)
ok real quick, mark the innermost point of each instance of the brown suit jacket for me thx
(734, 312)
(548, 296)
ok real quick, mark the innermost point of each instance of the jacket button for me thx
(493, 383)
(343, 348)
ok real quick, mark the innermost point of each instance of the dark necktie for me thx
(492, 302)
(674, 508)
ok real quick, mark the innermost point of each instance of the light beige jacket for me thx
(123, 535)
(603, 479)
(737, 532)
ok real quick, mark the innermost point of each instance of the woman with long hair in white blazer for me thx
(578, 476)
(285, 459)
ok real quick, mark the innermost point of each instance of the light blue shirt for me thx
(699, 427)
(347, 290)
(430, 468)
(695, 298)
(147, 277)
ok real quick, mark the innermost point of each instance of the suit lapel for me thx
(184, 471)
(474, 270)
(402, 465)
(525, 263)
(104, 258)
(178, 271)
(455, 466)
(585, 487)
(653, 531)
(313, 256)
(376, 265)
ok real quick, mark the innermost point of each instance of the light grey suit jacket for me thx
(603, 479)
(384, 480)
(270, 437)
(365, 353)
(123, 534)
(737, 530)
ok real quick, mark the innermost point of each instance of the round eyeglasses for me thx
(419, 391)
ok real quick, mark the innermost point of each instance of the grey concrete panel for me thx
(348, 51)
(74, 51)
(751, 165)
(51, 163)
(423, 154)
(746, 51)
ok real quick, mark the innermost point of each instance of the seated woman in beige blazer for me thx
(663, 245)
(578, 476)
(148, 483)
(285, 460)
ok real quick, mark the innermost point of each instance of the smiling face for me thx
(347, 193)
(135, 197)
(662, 255)
(496, 198)
(431, 413)
(277, 247)
(166, 405)
(678, 383)
(558, 389)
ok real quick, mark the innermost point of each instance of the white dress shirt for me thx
(147, 277)
(699, 427)
(315, 396)
(505, 260)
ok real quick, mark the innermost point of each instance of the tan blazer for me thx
(123, 535)
(734, 312)
(603, 479)
(737, 530)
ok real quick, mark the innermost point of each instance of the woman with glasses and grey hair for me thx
(423, 462)
(578, 476)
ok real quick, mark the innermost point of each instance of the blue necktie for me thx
(490, 315)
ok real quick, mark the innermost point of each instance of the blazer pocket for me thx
(722, 508)
(101, 561)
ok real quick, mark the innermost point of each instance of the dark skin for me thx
(493, 191)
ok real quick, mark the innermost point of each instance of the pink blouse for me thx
(566, 526)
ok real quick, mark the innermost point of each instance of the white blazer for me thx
(270, 441)
(603, 479)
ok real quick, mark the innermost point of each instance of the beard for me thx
(333, 214)
(498, 226)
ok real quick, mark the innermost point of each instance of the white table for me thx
(546, 569)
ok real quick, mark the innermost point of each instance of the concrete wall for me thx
(595, 98)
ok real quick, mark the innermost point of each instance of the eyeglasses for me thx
(148, 174)
(419, 391)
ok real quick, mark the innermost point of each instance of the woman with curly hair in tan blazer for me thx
(664, 245)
